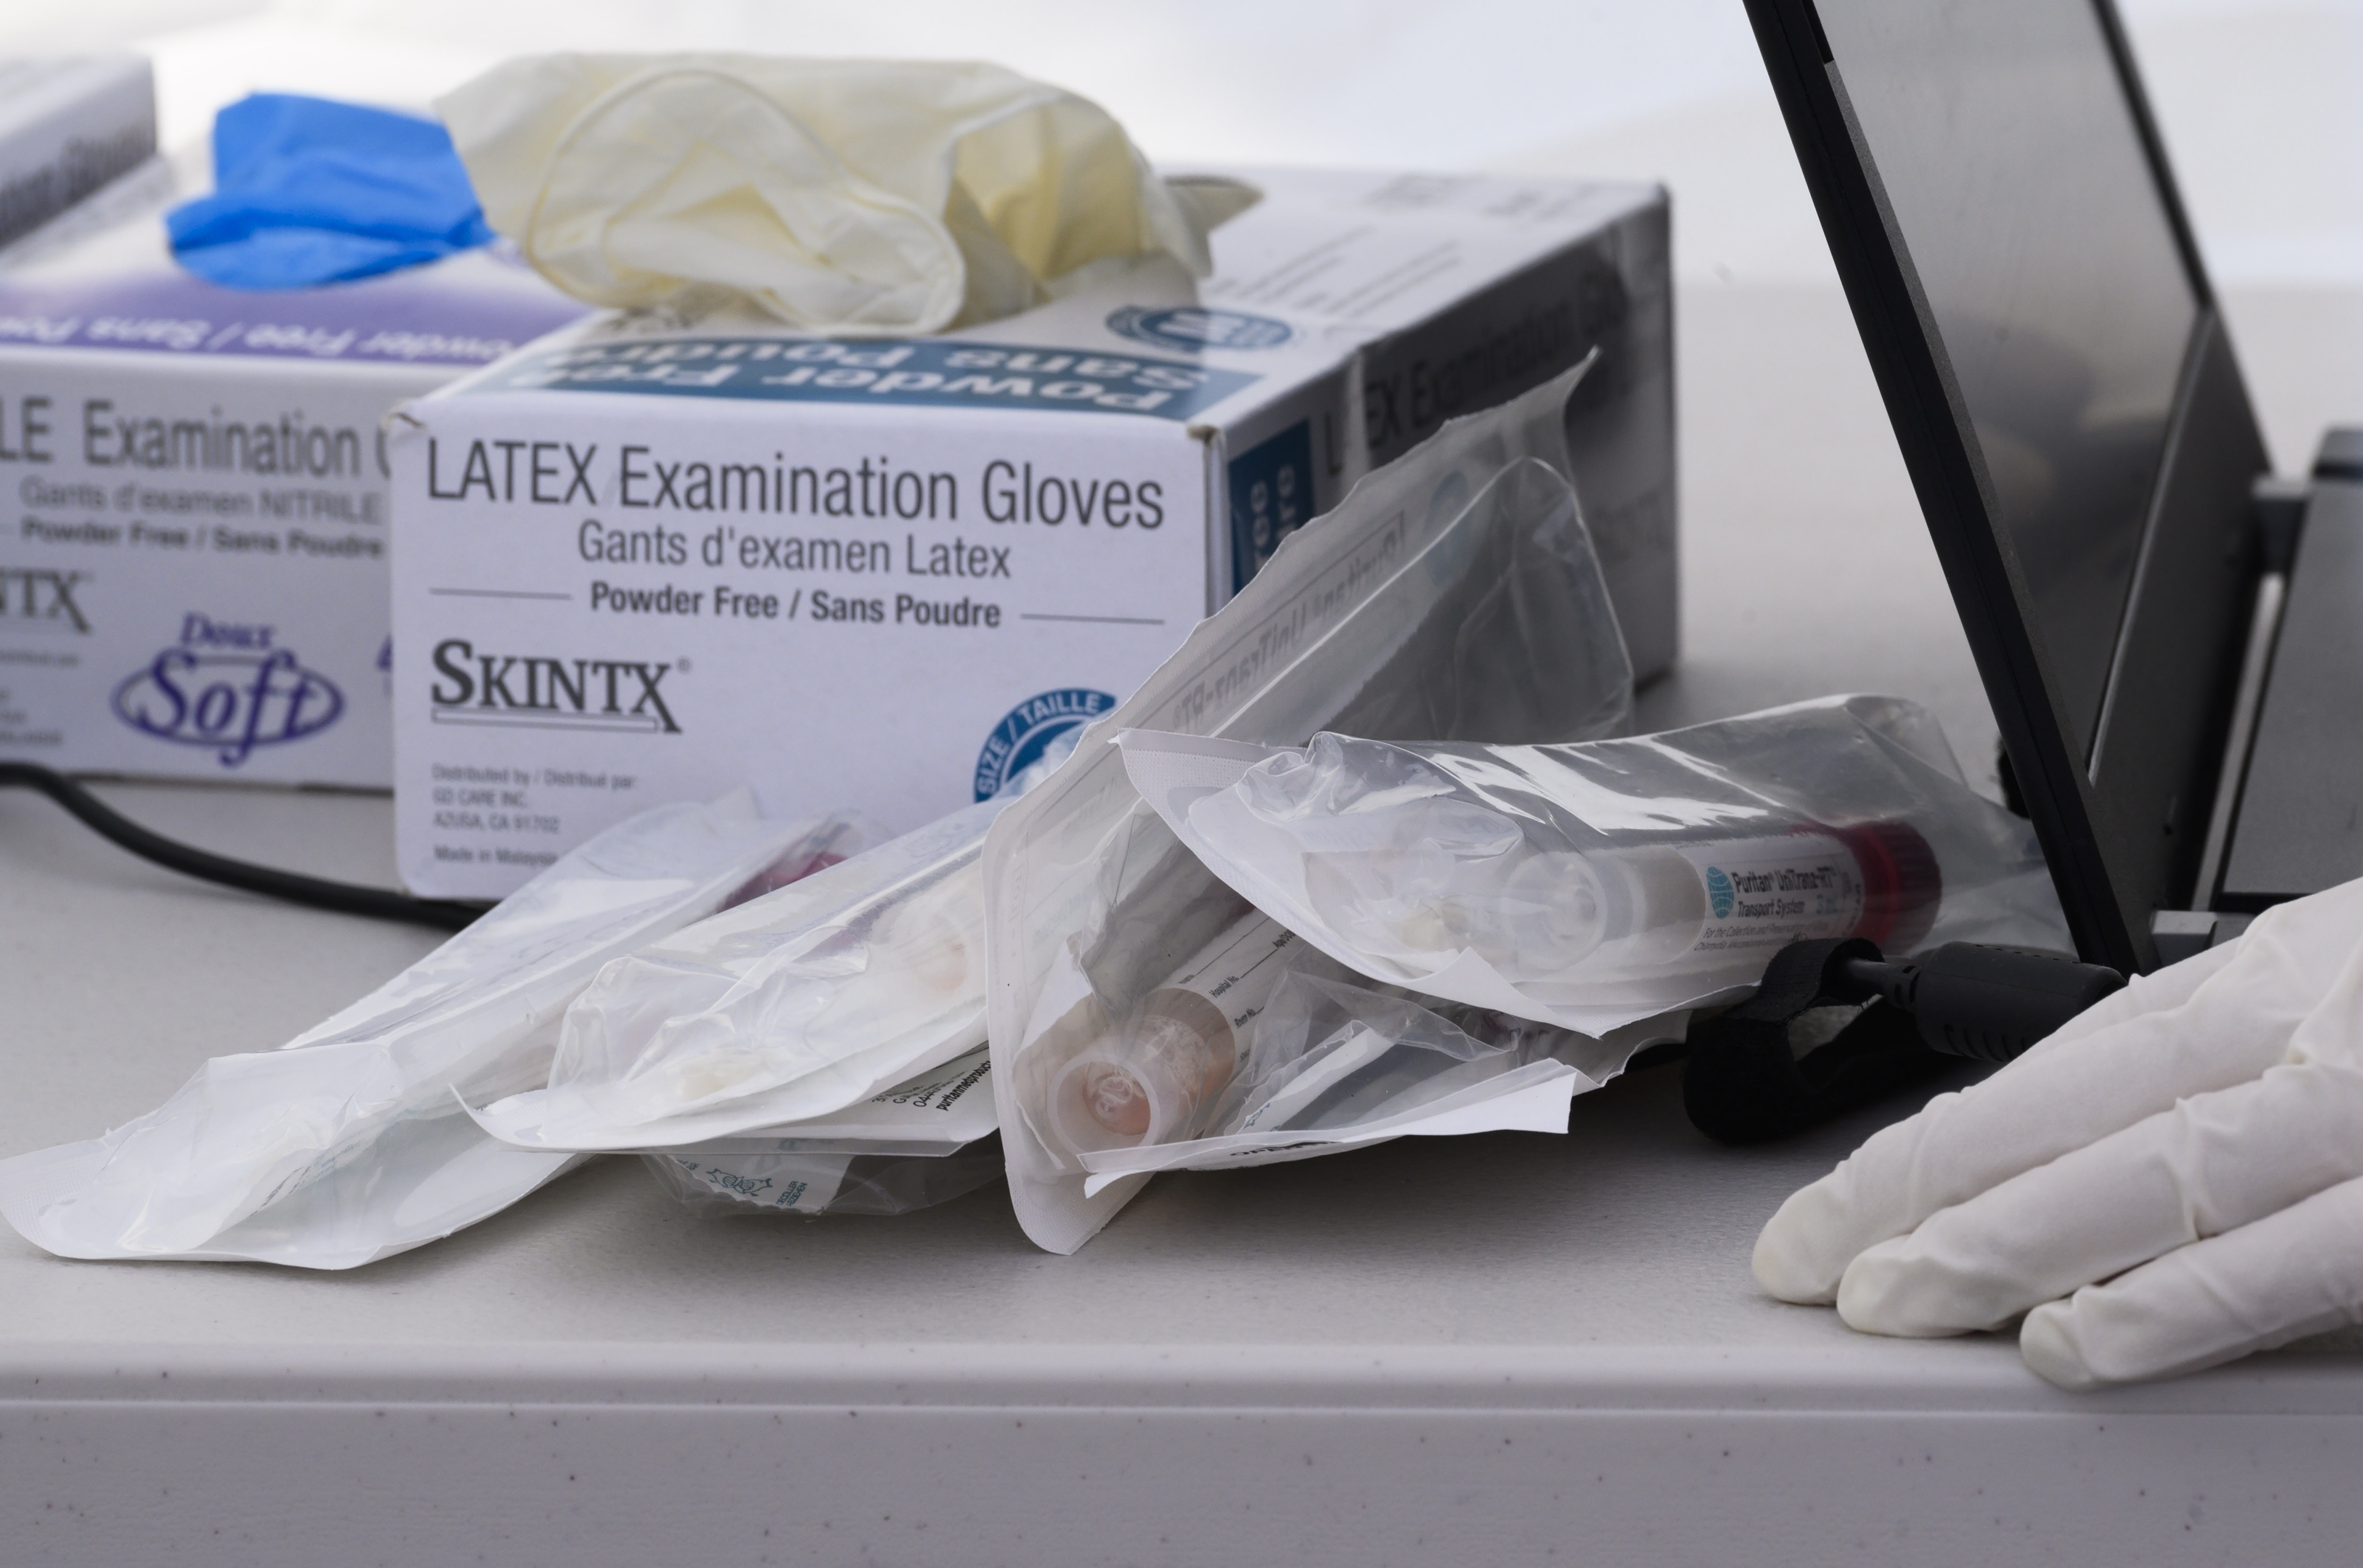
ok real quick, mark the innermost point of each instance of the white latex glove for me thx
(857, 197)
(2168, 1182)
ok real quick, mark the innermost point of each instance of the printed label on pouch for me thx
(1766, 893)
(801, 1183)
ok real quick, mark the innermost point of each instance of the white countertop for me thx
(1477, 1350)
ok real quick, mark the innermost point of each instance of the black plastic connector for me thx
(1989, 1003)
(1745, 1080)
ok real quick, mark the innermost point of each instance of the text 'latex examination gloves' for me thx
(2169, 1182)
(308, 190)
(853, 197)
(347, 1144)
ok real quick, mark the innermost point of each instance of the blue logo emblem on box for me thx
(1719, 893)
(224, 685)
(1193, 328)
(1021, 737)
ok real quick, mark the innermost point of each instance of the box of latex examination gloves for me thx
(192, 560)
(650, 558)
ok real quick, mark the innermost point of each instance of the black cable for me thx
(1978, 1000)
(444, 914)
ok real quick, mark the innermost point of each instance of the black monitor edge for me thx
(2082, 831)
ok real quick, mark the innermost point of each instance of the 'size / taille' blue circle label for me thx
(1021, 737)
(1193, 328)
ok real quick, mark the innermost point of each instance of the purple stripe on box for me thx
(422, 317)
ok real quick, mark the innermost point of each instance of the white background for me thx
(2258, 97)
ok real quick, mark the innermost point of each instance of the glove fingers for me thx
(2180, 1038)
(2295, 1273)
(2206, 1165)
(2031, 1112)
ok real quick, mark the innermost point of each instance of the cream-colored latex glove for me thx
(2173, 1180)
(859, 197)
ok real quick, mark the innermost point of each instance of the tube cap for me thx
(1902, 883)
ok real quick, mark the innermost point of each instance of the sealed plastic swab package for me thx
(814, 1185)
(1595, 884)
(1262, 1049)
(923, 1141)
(801, 1005)
(790, 1007)
(347, 1144)
(1453, 593)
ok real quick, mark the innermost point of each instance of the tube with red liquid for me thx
(1703, 906)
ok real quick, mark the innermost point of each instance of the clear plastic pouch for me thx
(794, 1005)
(733, 1187)
(1595, 884)
(1262, 1048)
(348, 1143)
(924, 1142)
(785, 1008)
(938, 1111)
(1453, 593)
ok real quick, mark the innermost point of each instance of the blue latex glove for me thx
(309, 191)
